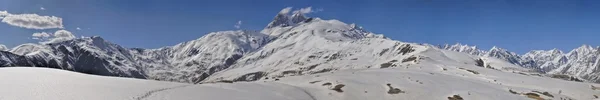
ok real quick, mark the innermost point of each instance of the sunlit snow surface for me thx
(300, 61)
(425, 79)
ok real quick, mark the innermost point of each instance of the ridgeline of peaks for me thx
(192, 61)
(284, 19)
(289, 45)
(473, 50)
(581, 62)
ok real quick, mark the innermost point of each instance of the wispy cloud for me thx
(285, 10)
(31, 21)
(3, 48)
(42, 8)
(3, 14)
(78, 28)
(42, 36)
(58, 36)
(238, 24)
(307, 10)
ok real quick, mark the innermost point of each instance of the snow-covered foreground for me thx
(28, 83)
(437, 75)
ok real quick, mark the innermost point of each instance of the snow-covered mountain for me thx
(494, 52)
(473, 50)
(544, 59)
(581, 62)
(295, 57)
(435, 75)
(316, 46)
(190, 61)
(290, 45)
(91, 55)
(195, 60)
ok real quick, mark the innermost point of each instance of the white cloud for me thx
(58, 36)
(42, 8)
(3, 48)
(42, 36)
(238, 24)
(31, 21)
(307, 10)
(3, 14)
(78, 28)
(63, 34)
(285, 10)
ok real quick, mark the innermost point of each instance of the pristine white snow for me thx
(290, 45)
(438, 75)
(293, 59)
(30, 83)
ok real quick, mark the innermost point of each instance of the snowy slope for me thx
(439, 74)
(195, 60)
(313, 47)
(581, 62)
(188, 62)
(290, 45)
(23, 83)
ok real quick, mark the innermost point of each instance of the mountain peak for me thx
(298, 17)
(473, 50)
(583, 49)
(586, 47)
(556, 51)
(495, 48)
(281, 19)
(284, 19)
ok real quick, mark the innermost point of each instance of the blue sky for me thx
(516, 25)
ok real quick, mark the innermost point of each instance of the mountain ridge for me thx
(289, 45)
(580, 62)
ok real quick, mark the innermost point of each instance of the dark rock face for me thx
(96, 56)
(280, 20)
(251, 76)
(10, 59)
(71, 56)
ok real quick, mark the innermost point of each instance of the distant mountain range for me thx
(292, 44)
(582, 62)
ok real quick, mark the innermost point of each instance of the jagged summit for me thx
(290, 44)
(298, 17)
(473, 50)
(581, 62)
(582, 49)
(284, 19)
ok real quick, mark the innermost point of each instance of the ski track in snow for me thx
(149, 93)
